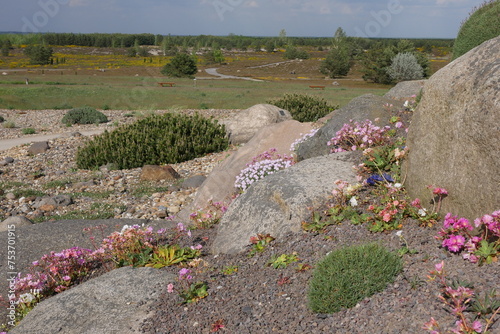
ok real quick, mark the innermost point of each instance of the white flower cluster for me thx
(259, 170)
(302, 139)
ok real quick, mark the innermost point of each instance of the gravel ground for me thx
(256, 298)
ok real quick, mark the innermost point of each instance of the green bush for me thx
(157, 139)
(348, 275)
(2, 119)
(38, 54)
(28, 131)
(181, 65)
(483, 24)
(84, 115)
(304, 108)
(294, 53)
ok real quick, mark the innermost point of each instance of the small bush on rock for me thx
(304, 108)
(483, 24)
(84, 115)
(154, 140)
(348, 275)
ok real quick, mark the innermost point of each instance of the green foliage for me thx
(304, 108)
(84, 115)
(9, 125)
(28, 131)
(259, 243)
(292, 52)
(181, 65)
(348, 275)
(154, 140)
(172, 254)
(337, 62)
(405, 66)
(483, 24)
(38, 54)
(282, 261)
(194, 292)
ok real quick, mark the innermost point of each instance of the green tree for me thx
(38, 54)
(181, 65)
(338, 60)
(6, 46)
(405, 66)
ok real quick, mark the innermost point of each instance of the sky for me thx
(315, 18)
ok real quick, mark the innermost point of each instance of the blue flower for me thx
(376, 178)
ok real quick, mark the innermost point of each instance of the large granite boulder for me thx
(245, 124)
(219, 185)
(278, 203)
(454, 137)
(116, 302)
(359, 109)
(405, 90)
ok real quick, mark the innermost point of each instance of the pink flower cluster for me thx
(209, 216)
(456, 234)
(354, 136)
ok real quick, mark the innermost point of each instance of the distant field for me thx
(55, 91)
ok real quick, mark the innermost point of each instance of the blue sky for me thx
(319, 18)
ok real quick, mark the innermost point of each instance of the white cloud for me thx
(445, 2)
(251, 4)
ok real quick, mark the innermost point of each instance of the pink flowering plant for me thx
(189, 291)
(479, 243)
(262, 165)
(208, 217)
(460, 299)
(358, 136)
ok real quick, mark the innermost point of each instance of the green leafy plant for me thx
(230, 270)
(84, 115)
(9, 125)
(154, 140)
(181, 65)
(259, 243)
(348, 275)
(165, 256)
(282, 261)
(303, 107)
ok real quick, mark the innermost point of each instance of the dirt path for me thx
(6, 144)
(213, 71)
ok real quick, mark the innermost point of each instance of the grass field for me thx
(118, 82)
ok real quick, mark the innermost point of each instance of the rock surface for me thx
(116, 302)
(278, 204)
(364, 107)
(245, 124)
(157, 173)
(219, 185)
(15, 222)
(454, 137)
(38, 147)
(405, 90)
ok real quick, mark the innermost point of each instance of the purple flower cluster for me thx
(354, 136)
(264, 164)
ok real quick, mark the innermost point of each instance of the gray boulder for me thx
(454, 137)
(278, 204)
(116, 302)
(405, 90)
(219, 185)
(38, 147)
(193, 181)
(359, 109)
(245, 124)
(15, 222)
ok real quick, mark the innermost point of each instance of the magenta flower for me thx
(454, 243)
(170, 288)
(463, 223)
(476, 325)
(439, 267)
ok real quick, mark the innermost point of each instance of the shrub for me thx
(28, 131)
(294, 53)
(483, 24)
(337, 62)
(405, 66)
(9, 125)
(84, 115)
(181, 65)
(348, 275)
(304, 108)
(38, 54)
(157, 139)
(2, 119)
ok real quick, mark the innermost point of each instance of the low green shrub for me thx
(28, 131)
(154, 140)
(2, 119)
(483, 24)
(84, 115)
(9, 125)
(304, 108)
(348, 275)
